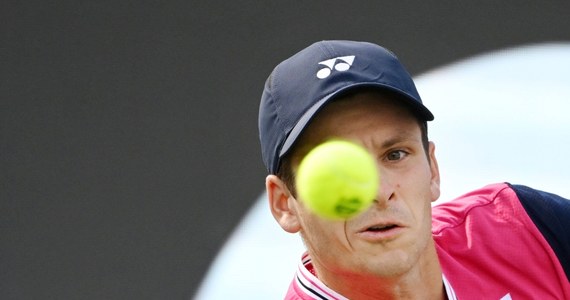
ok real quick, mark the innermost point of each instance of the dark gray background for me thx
(128, 129)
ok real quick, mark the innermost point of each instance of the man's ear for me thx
(282, 204)
(434, 183)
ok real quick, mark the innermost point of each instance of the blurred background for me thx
(128, 129)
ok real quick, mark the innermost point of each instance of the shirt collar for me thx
(307, 282)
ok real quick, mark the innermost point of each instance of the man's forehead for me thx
(346, 117)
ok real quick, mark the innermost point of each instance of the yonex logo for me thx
(340, 64)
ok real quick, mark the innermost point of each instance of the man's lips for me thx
(381, 227)
(381, 231)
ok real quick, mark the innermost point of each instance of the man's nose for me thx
(385, 190)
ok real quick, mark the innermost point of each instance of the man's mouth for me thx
(381, 227)
(381, 232)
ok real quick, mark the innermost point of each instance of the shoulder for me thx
(543, 206)
(489, 203)
(505, 201)
(550, 213)
(504, 210)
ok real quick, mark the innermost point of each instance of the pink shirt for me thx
(488, 247)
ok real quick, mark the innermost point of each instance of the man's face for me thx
(393, 235)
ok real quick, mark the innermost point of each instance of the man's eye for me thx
(396, 155)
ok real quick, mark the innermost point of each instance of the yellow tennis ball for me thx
(337, 179)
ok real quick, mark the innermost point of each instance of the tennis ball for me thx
(337, 179)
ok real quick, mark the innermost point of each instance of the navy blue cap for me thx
(299, 86)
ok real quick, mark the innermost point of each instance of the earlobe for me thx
(282, 204)
(435, 179)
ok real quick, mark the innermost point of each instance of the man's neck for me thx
(402, 287)
(423, 281)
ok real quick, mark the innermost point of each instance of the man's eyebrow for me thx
(396, 140)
